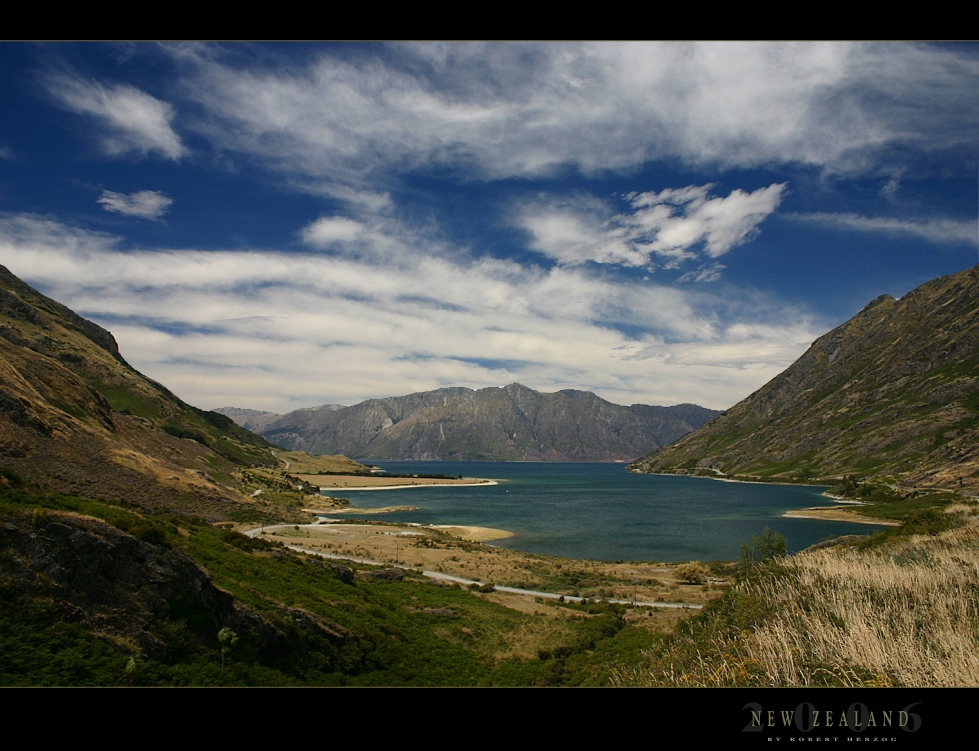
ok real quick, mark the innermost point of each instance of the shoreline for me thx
(374, 482)
(725, 478)
(480, 483)
(816, 513)
(364, 511)
(466, 532)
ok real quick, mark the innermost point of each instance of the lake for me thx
(602, 512)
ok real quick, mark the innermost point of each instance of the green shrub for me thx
(765, 547)
(694, 572)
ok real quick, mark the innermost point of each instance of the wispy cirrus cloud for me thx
(500, 110)
(708, 272)
(935, 230)
(145, 204)
(130, 119)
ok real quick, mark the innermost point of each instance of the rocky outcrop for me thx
(106, 580)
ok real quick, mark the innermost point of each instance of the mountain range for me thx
(513, 423)
(892, 394)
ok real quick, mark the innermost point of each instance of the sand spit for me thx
(474, 534)
(834, 514)
(355, 510)
(375, 482)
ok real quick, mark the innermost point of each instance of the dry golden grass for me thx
(907, 615)
(300, 461)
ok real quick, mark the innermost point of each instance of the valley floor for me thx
(457, 552)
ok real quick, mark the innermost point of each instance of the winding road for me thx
(469, 582)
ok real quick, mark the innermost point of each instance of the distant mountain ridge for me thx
(257, 420)
(892, 394)
(513, 423)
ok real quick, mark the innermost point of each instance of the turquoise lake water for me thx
(603, 512)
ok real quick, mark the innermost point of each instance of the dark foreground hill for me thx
(892, 394)
(513, 423)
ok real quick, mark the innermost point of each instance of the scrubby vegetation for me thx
(898, 608)
(901, 609)
(293, 620)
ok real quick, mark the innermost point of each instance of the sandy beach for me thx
(380, 482)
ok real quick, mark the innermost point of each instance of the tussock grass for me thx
(904, 614)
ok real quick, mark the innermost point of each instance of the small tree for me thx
(764, 547)
(132, 668)
(847, 487)
(227, 638)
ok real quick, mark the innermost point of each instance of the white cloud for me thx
(674, 220)
(329, 230)
(273, 330)
(676, 225)
(132, 119)
(146, 204)
(580, 229)
(705, 273)
(510, 109)
(940, 231)
(889, 191)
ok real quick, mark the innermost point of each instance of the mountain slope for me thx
(513, 423)
(77, 417)
(893, 393)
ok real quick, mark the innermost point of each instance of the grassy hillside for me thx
(77, 418)
(892, 395)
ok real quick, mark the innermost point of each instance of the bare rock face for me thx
(892, 393)
(513, 423)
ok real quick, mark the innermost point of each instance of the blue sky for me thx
(278, 226)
